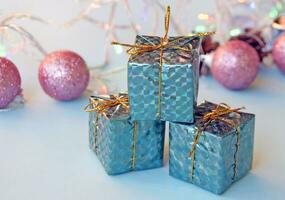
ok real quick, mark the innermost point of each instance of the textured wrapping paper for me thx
(217, 156)
(179, 81)
(119, 150)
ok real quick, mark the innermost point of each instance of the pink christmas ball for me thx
(278, 52)
(235, 65)
(10, 82)
(63, 75)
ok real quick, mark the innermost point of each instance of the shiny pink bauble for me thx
(10, 82)
(63, 75)
(235, 65)
(278, 52)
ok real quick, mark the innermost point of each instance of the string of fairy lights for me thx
(9, 28)
(207, 22)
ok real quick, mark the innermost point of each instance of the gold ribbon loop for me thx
(218, 114)
(102, 105)
(136, 49)
(220, 111)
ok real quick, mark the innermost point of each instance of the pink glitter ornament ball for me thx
(235, 65)
(63, 75)
(10, 82)
(278, 52)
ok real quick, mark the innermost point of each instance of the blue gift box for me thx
(223, 153)
(168, 93)
(123, 145)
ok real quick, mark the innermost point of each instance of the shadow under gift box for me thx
(120, 148)
(178, 82)
(218, 162)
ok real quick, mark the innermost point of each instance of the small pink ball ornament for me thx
(10, 82)
(278, 52)
(235, 65)
(63, 75)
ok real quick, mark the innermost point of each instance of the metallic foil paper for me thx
(179, 81)
(113, 141)
(215, 153)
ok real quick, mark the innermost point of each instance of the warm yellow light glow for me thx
(203, 16)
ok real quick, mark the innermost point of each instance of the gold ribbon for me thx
(134, 150)
(136, 49)
(101, 107)
(218, 114)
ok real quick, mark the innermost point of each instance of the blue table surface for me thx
(44, 150)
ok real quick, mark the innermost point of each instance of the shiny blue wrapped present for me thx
(164, 86)
(216, 150)
(163, 75)
(123, 145)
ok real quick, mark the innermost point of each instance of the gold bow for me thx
(218, 114)
(101, 105)
(136, 49)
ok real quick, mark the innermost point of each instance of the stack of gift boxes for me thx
(210, 145)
